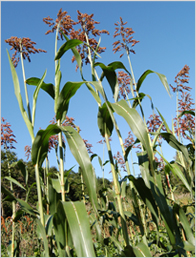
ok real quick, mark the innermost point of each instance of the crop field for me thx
(49, 211)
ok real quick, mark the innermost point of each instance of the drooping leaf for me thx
(161, 77)
(141, 97)
(173, 142)
(136, 124)
(14, 181)
(190, 112)
(42, 233)
(65, 95)
(142, 250)
(165, 210)
(80, 228)
(144, 167)
(110, 74)
(23, 170)
(19, 98)
(79, 151)
(40, 145)
(185, 224)
(175, 169)
(104, 121)
(27, 208)
(47, 87)
(66, 46)
(147, 197)
(76, 55)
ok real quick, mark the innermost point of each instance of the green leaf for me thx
(14, 181)
(53, 197)
(185, 224)
(144, 167)
(175, 169)
(80, 228)
(65, 95)
(76, 54)
(42, 233)
(58, 77)
(23, 170)
(35, 95)
(161, 77)
(8, 194)
(93, 92)
(40, 145)
(136, 124)
(27, 208)
(146, 196)
(110, 74)
(47, 87)
(79, 151)
(141, 96)
(173, 142)
(59, 223)
(141, 250)
(187, 246)
(190, 112)
(165, 209)
(19, 98)
(104, 121)
(66, 46)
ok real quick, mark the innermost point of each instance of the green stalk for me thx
(117, 192)
(61, 163)
(13, 210)
(47, 184)
(39, 193)
(32, 138)
(25, 86)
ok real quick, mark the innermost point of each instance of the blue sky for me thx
(166, 31)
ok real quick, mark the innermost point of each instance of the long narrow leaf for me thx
(136, 124)
(79, 151)
(80, 228)
(14, 181)
(161, 77)
(47, 87)
(65, 95)
(40, 145)
(66, 46)
(19, 98)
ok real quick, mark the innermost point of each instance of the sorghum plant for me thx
(7, 140)
(65, 226)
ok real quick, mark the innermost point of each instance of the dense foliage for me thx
(77, 214)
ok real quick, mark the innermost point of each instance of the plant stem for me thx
(39, 193)
(117, 192)
(25, 86)
(61, 163)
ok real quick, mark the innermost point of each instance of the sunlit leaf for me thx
(66, 46)
(80, 228)
(47, 87)
(19, 98)
(104, 121)
(79, 151)
(161, 77)
(65, 95)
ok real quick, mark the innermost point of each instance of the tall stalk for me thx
(117, 192)
(37, 176)
(60, 139)
(25, 85)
